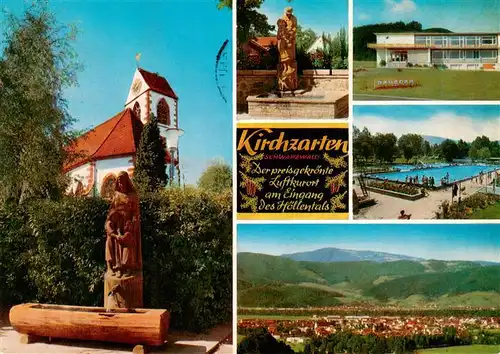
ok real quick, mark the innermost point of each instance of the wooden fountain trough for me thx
(140, 327)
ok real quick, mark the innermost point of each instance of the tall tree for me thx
(411, 145)
(150, 169)
(38, 62)
(250, 22)
(305, 38)
(481, 142)
(449, 150)
(217, 177)
(495, 149)
(484, 153)
(362, 144)
(385, 146)
(473, 152)
(427, 148)
(463, 149)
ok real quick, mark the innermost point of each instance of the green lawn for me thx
(364, 65)
(491, 212)
(434, 84)
(466, 349)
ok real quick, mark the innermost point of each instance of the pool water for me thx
(403, 167)
(457, 173)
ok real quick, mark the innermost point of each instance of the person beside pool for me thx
(403, 215)
(454, 191)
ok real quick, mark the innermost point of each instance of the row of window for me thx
(464, 54)
(162, 111)
(457, 41)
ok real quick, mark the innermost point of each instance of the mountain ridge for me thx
(334, 254)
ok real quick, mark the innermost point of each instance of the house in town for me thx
(259, 46)
(101, 153)
(318, 44)
(461, 51)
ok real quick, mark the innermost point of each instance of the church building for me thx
(104, 151)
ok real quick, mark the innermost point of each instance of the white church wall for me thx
(81, 173)
(143, 103)
(144, 87)
(114, 166)
(172, 105)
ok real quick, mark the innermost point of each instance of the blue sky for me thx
(455, 15)
(454, 122)
(476, 242)
(319, 15)
(179, 39)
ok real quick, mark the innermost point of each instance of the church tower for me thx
(151, 93)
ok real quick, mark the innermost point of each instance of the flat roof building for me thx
(461, 51)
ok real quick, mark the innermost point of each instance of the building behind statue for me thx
(111, 147)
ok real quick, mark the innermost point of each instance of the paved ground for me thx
(389, 207)
(178, 343)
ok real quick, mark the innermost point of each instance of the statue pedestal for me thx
(127, 291)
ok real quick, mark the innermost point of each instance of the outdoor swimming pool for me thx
(457, 173)
(403, 167)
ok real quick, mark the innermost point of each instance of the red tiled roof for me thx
(265, 42)
(157, 83)
(118, 136)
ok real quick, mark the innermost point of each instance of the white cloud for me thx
(401, 7)
(363, 16)
(446, 125)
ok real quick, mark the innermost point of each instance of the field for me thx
(469, 349)
(491, 212)
(434, 84)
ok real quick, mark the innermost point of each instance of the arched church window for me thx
(79, 188)
(137, 110)
(163, 112)
(108, 186)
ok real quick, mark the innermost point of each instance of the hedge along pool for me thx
(456, 173)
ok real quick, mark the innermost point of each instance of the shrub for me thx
(396, 187)
(339, 63)
(268, 61)
(440, 66)
(54, 252)
(318, 59)
(466, 207)
(304, 61)
(409, 65)
(383, 63)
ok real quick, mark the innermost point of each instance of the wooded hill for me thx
(363, 35)
(274, 281)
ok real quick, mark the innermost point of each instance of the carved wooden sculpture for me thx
(287, 67)
(123, 279)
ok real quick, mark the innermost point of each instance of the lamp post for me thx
(172, 139)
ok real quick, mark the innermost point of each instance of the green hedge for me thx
(53, 252)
